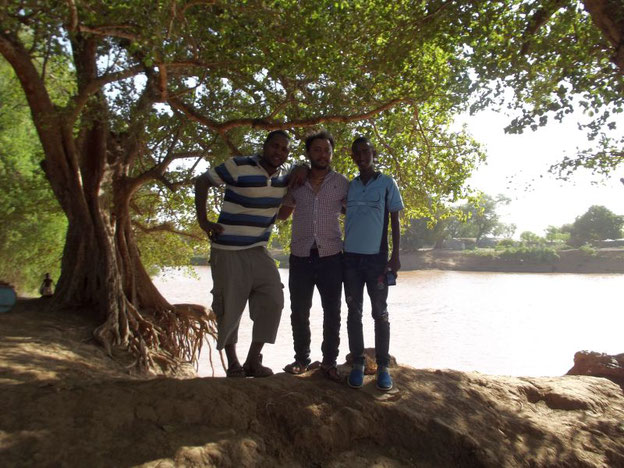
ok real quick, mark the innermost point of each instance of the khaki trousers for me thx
(239, 276)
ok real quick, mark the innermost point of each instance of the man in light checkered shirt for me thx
(316, 254)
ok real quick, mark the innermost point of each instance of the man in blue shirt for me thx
(372, 200)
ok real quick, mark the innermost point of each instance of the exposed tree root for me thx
(161, 340)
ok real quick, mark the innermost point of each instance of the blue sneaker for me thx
(384, 381)
(356, 377)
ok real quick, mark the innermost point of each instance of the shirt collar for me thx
(376, 174)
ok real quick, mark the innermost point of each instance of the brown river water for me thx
(521, 324)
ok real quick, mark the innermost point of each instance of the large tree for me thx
(597, 223)
(159, 82)
(481, 218)
(473, 219)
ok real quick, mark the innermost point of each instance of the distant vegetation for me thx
(33, 224)
(480, 227)
(521, 253)
(474, 220)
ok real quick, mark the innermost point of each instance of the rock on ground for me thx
(66, 404)
(599, 365)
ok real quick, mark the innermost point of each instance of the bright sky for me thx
(517, 166)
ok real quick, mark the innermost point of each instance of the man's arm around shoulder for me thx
(284, 212)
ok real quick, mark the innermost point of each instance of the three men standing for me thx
(242, 268)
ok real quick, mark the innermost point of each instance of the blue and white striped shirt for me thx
(252, 199)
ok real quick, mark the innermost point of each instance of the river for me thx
(520, 324)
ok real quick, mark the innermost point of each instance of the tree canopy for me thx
(555, 56)
(159, 83)
(482, 218)
(597, 223)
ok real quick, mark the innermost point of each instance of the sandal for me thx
(254, 368)
(297, 368)
(331, 372)
(235, 371)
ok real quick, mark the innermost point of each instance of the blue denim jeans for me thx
(326, 274)
(359, 271)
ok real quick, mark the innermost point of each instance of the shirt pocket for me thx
(372, 200)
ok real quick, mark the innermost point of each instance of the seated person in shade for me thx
(47, 286)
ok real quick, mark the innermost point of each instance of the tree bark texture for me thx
(608, 16)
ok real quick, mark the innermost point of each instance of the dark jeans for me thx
(326, 274)
(369, 270)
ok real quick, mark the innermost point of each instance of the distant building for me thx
(488, 242)
(462, 243)
(609, 243)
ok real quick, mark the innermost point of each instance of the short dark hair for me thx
(275, 133)
(322, 135)
(359, 140)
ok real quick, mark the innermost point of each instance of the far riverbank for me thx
(603, 261)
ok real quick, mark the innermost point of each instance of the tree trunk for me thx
(608, 16)
(101, 271)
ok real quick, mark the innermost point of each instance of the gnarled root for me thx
(161, 340)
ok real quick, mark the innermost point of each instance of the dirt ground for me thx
(65, 403)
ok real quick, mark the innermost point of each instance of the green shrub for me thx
(482, 253)
(588, 249)
(520, 253)
(524, 253)
(505, 244)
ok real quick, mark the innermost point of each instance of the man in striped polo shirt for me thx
(242, 268)
(316, 254)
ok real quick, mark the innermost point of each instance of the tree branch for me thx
(608, 16)
(32, 83)
(73, 21)
(195, 3)
(96, 85)
(111, 31)
(157, 172)
(165, 227)
(539, 19)
(268, 124)
(162, 81)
